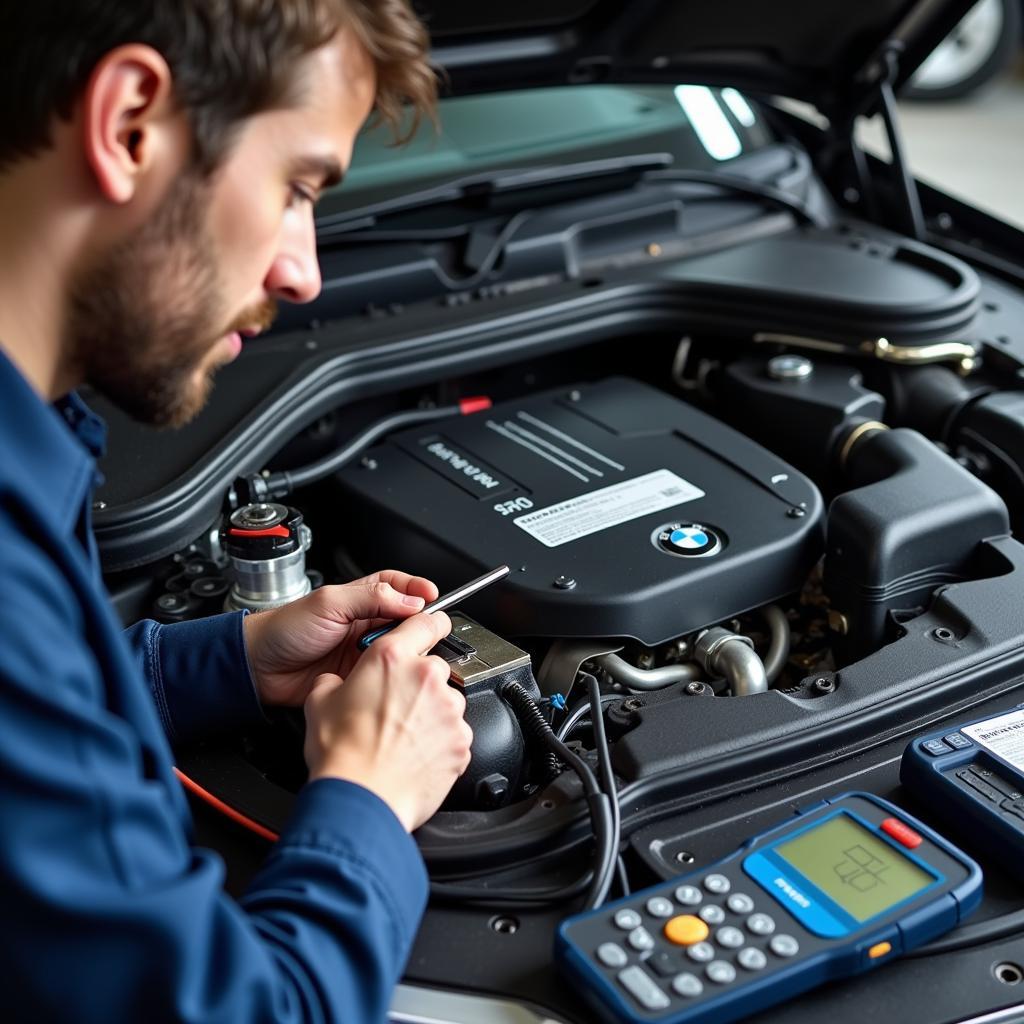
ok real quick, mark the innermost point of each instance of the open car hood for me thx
(823, 53)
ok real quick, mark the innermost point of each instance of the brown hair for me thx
(230, 59)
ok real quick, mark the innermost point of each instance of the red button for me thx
(901, 833)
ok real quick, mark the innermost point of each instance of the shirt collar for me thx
(50, 451)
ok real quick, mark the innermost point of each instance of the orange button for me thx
(879, 949)
(686, 930)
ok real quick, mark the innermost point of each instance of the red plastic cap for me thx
(475, 404)
(274, 531)
(901, 833)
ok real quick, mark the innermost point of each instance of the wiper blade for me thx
(478, 189)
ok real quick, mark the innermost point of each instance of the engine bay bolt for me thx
(943, 634)
(98, 506)
(632, 704)
(564, 582)
(790, 367)
(796, 512)
(684, 857)
(492, 790)
(824, 685)
(504, 924)
(368, 463)
(697, 689)
(574, 396)
(838, 622)
(173, 603)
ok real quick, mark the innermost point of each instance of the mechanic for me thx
(158, 167)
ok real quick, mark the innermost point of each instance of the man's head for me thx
(199, 134)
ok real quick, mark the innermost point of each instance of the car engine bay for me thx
(756, 472)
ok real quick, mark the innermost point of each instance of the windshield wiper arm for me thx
(617, 172)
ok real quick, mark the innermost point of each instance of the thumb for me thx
(378, 600)
(323, 686)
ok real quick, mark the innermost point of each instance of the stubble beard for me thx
(143, 319)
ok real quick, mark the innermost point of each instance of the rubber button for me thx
(879, 949)
(740, 903)
(658, 906)
(901, 833)
(712, 914)
(689, 895)
(702, 953)
(936, 747)
(718, 884)
(627, 919)
(642, 988)
(958, 741)
(686, 930)
(721, 972)
(687, 985)
(641, 940)
(611, 955)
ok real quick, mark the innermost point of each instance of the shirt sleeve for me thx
(198, 673)
(111, 915)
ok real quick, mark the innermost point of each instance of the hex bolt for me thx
(695, 689)
(824, 685)
(632, 704)
(943, 635)
(563, 582)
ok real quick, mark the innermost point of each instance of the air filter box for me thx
(622, 511)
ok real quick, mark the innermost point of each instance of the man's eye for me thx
(303, 194)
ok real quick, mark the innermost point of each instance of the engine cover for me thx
(621, 510)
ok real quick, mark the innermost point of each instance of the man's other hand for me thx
(394, 725)
(289, 647)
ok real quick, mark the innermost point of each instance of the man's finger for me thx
(378, 600)
(418, 586)
(420, 632)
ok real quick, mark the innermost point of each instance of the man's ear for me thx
(128, 119)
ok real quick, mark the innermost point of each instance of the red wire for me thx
(218, 805)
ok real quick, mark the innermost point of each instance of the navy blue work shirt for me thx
(107, 912)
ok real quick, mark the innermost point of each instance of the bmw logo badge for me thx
(688, 540)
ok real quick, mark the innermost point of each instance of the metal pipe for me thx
(646, 678)
(732, 657)
(778, 648)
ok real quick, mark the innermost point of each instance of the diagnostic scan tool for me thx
(845, 886)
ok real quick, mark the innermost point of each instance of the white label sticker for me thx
(599, 510)
(1004, 736)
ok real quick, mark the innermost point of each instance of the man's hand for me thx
(394, 725)
(289, 647)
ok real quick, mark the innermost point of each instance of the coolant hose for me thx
(778, 648)
(732, 657)
(646, 678)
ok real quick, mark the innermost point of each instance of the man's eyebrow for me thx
(328, 169)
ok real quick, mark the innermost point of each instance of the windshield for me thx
(700, 128)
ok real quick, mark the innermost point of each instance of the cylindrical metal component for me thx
(732, 657)
(778, 649)
(790, 367)
(645, 678)
(266, 545)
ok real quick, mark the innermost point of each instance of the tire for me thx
(982, 45)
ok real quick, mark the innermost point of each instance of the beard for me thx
(146, 317)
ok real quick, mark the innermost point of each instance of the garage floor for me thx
(972, 148)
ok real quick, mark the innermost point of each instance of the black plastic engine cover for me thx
(579, 491)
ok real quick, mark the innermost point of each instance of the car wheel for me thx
(982, 45)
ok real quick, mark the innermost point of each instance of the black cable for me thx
(597, 802)
(498, 894)
(604, 764)
(286, 481)
(974, 934)
(743, 186)
(623, 877)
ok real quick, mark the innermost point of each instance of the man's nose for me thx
(294, 275)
